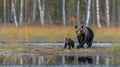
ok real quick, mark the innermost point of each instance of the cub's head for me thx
(67, 40)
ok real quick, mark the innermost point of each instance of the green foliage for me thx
(54, 1)
(82, 5)
(1, 9)
(69, 4)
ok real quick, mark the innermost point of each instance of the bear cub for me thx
(69, 42)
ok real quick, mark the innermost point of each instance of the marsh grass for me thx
(110, 34)
(54, 34)
(57, 50)
(114, 48)
(13, 48)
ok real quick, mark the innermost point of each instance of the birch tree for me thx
(113, 11)
(4, 1)
(88, 12)
(98, 13)
(78, 11)
(21, 13)
(14, 13)
(64, 15)
(34, 10)
(41, 10)
(107, 13)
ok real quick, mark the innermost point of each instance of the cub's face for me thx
(66, 40)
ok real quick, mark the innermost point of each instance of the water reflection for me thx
(85, 60)
(59, 60)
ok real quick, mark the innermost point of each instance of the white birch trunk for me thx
(107, 13)
(78, 11)
(41, 10)
(21, 13)
(34, 10)
(14, 13)
(64, 15)
(88, 13)
(98, 13)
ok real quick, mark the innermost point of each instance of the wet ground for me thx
(52, 49)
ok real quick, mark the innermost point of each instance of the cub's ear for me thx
(66, 38)
(76, 26)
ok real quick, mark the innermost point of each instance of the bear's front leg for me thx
(65, 45)
(69, 46)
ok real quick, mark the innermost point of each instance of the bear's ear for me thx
(76, 26)
(82, 26)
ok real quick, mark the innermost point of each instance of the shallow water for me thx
(62, 44)
(58, 44)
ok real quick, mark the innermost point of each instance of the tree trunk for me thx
(14, 13)
(98, 13)
(78, 12)
(41, 10)
(5, 20)
(107, 13)
(34, 10)
(8, 10)
(88, 12)
(113, 12)
(64, 15)
(119, 12)
(93, 12)
(27, 6)
(21, 13)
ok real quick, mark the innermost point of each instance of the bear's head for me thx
(78, 30)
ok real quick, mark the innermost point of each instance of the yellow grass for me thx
(111, 34)
(54, 34)
(114, 48)
(14, 48)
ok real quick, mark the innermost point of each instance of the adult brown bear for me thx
(84, 35)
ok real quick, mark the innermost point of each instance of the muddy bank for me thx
(57, 50)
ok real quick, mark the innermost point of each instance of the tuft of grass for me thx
(114, 48)
(13, 48)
